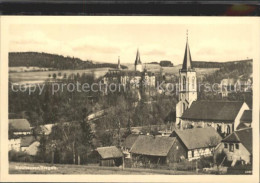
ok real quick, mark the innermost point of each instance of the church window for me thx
(183, 107)
(228, 130)
(184, 83)
(193, 82)
(237, 146)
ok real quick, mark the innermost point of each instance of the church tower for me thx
(138, 63)
(187, 84)
(118, 65)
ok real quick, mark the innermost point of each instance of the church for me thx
(134, 77)
(224, 116)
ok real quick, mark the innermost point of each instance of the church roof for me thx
(138, 60)
(223, 111)
(243, 136)
(187, 62)
(246, 117)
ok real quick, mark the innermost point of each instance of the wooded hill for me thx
(211, 64)
(59, 62)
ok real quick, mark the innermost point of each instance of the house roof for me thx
(246, 117)
(243, 136)
(224, 111)
(198, 137)
(153, 146)
(19, 125)
(109, 152)
(228, 81)
(26, 141)
(130, 140)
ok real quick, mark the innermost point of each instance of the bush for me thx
(19, 156)
(205, 162)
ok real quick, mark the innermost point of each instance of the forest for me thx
(53, 61)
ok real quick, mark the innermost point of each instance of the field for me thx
(41, 76)
(16, 168)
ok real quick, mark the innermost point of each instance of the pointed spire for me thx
(187, 62)
(138, 60)
(119, 66)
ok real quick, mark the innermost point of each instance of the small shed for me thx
(110, 156)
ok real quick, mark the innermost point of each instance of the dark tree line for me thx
(58, 62)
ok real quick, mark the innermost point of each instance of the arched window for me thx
(184, 83)
(183, 107)
(193, 82)
(228, 129)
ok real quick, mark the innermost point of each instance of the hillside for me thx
(211, 64)
(57, 62)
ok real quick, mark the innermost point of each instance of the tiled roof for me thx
(246, 117)
(153, 146)
(109, 152)
(130, 140)
(198, 137)
(26, 141)
(19, 125)
(224, 111)
(243, 136)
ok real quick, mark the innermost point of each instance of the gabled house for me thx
(19, 127)
(224, 116)
(238, 146)
(195, 143)
(110, 156)
(153, 149)
(128, 143)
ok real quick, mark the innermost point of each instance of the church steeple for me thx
(187, 62)
(119, 66)
(138, 63)
(138, 60)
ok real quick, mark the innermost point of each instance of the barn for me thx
(110, 156)
(153, 149)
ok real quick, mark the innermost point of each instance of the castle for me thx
(134, 78)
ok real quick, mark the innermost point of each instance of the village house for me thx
(238, 146)
(19, 127)
(128, 143)
(153, 150)
(195, 143)
(110, 156)
(224, 116)
(243, 85)
(14, 144)
(227, 86)
(29, 144)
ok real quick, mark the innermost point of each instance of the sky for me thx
(156, 42)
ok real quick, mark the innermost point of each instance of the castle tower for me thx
(118, 65)
(138, 63)
(187, 84)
